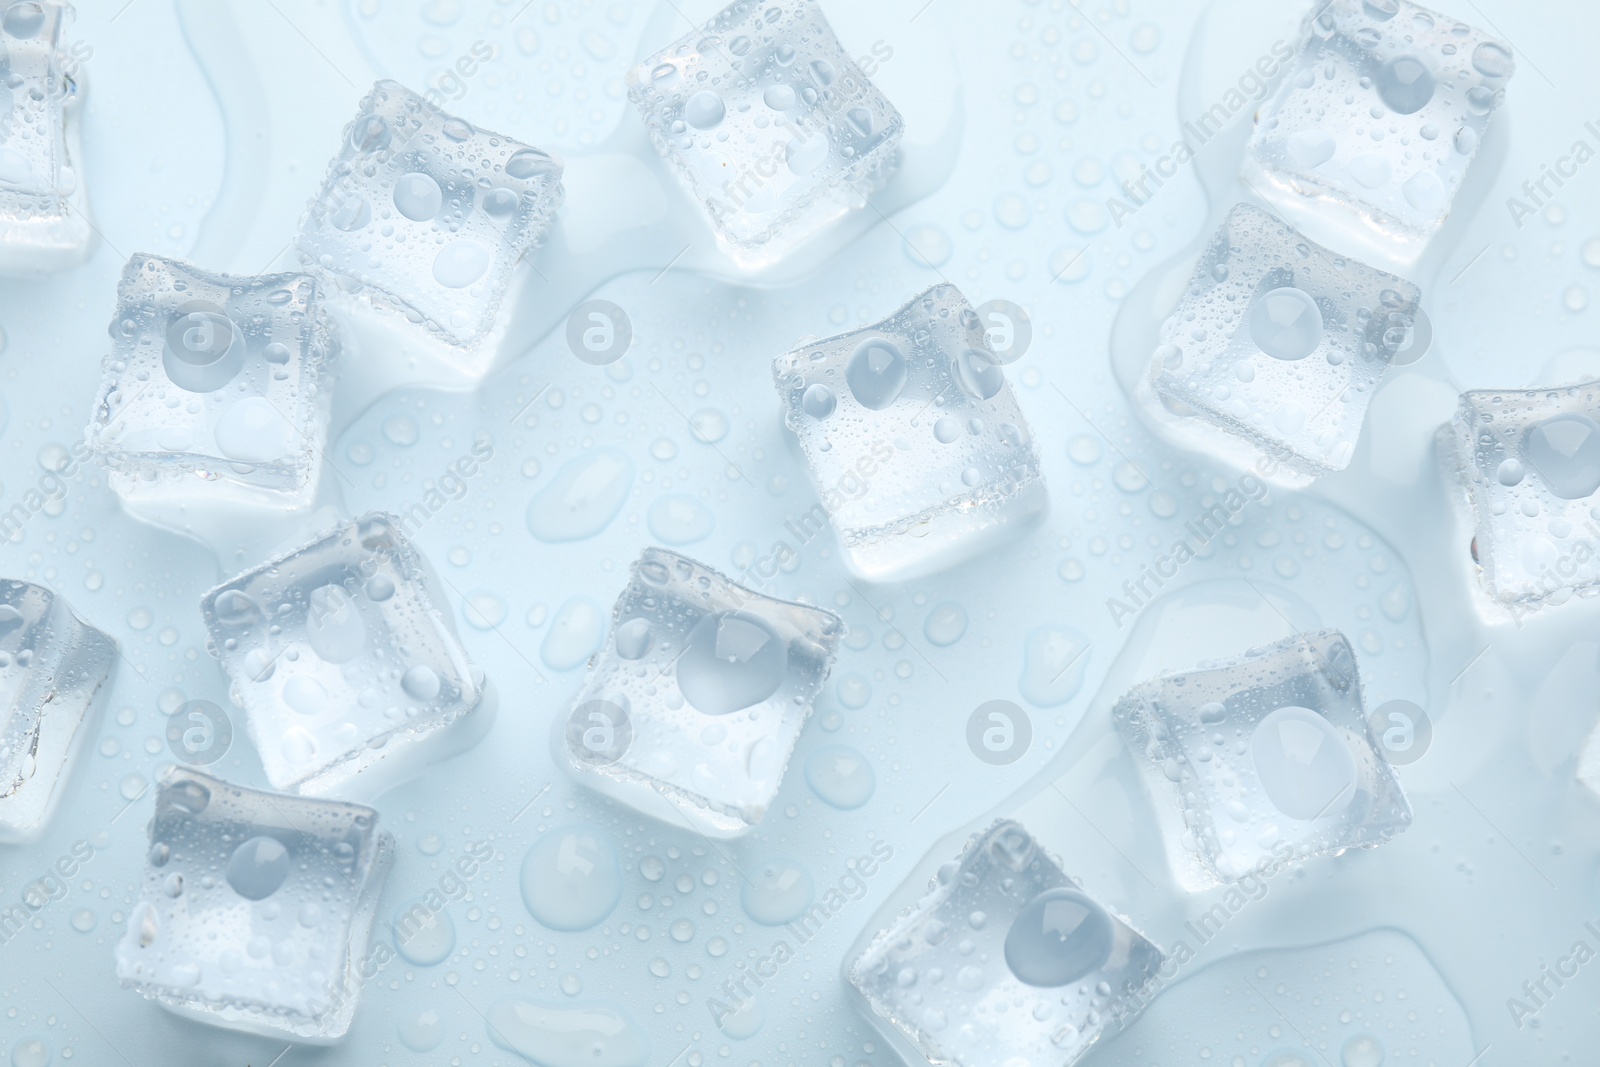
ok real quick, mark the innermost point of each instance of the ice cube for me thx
(1277, 346)
(1375, 123)
(914, 440)
(419, 223)
(692, 708)
(771, 126)
(1262, 759)
(1529, 460)
(44, 212)
(1005, 960)
(216, 388)
(346, 664)
(52, 666)
(255, 908)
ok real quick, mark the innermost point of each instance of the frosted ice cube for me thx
(52, 666)
(1005, 960)
(769, 123)
(1261, 759)
(1277, 346)
(216, 387)
(420, 222)
(914, 440)
(1376, 121)
(1529, 460)
(255, 908)
(347, 666)
(44, 212)
(691, 710)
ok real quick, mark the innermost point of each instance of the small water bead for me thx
(841, 776)
(946, 430)
(30, 1052)
(424, 935)
(418, 196)
(704, 110)
(421, 1031)
(1286, 323)
(258, 868)
(945, 624)
(1362, 1051)
(980, 374)
(732, 660)
(527, 162)
(876, 373)
(1565, 452)
(1405, 84)
(779, 892)
(572, 878)
(778, 97)
(1083, 449)
(1059, 938)
(582, 1035)
(133, 786)
(401, 430)
(1303, 764)
(818, 401)
(84, 920)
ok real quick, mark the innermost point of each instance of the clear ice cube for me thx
(915, 442)
(1277, 347)
(52, 666)
(768, 122)
(691, 710)
(1529, 460)
(1004, 961)
(44, 221)
(1261, 760)
(420, 222)
(1376, 121)
(216, 388)
(346, 664)
(255, 908)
